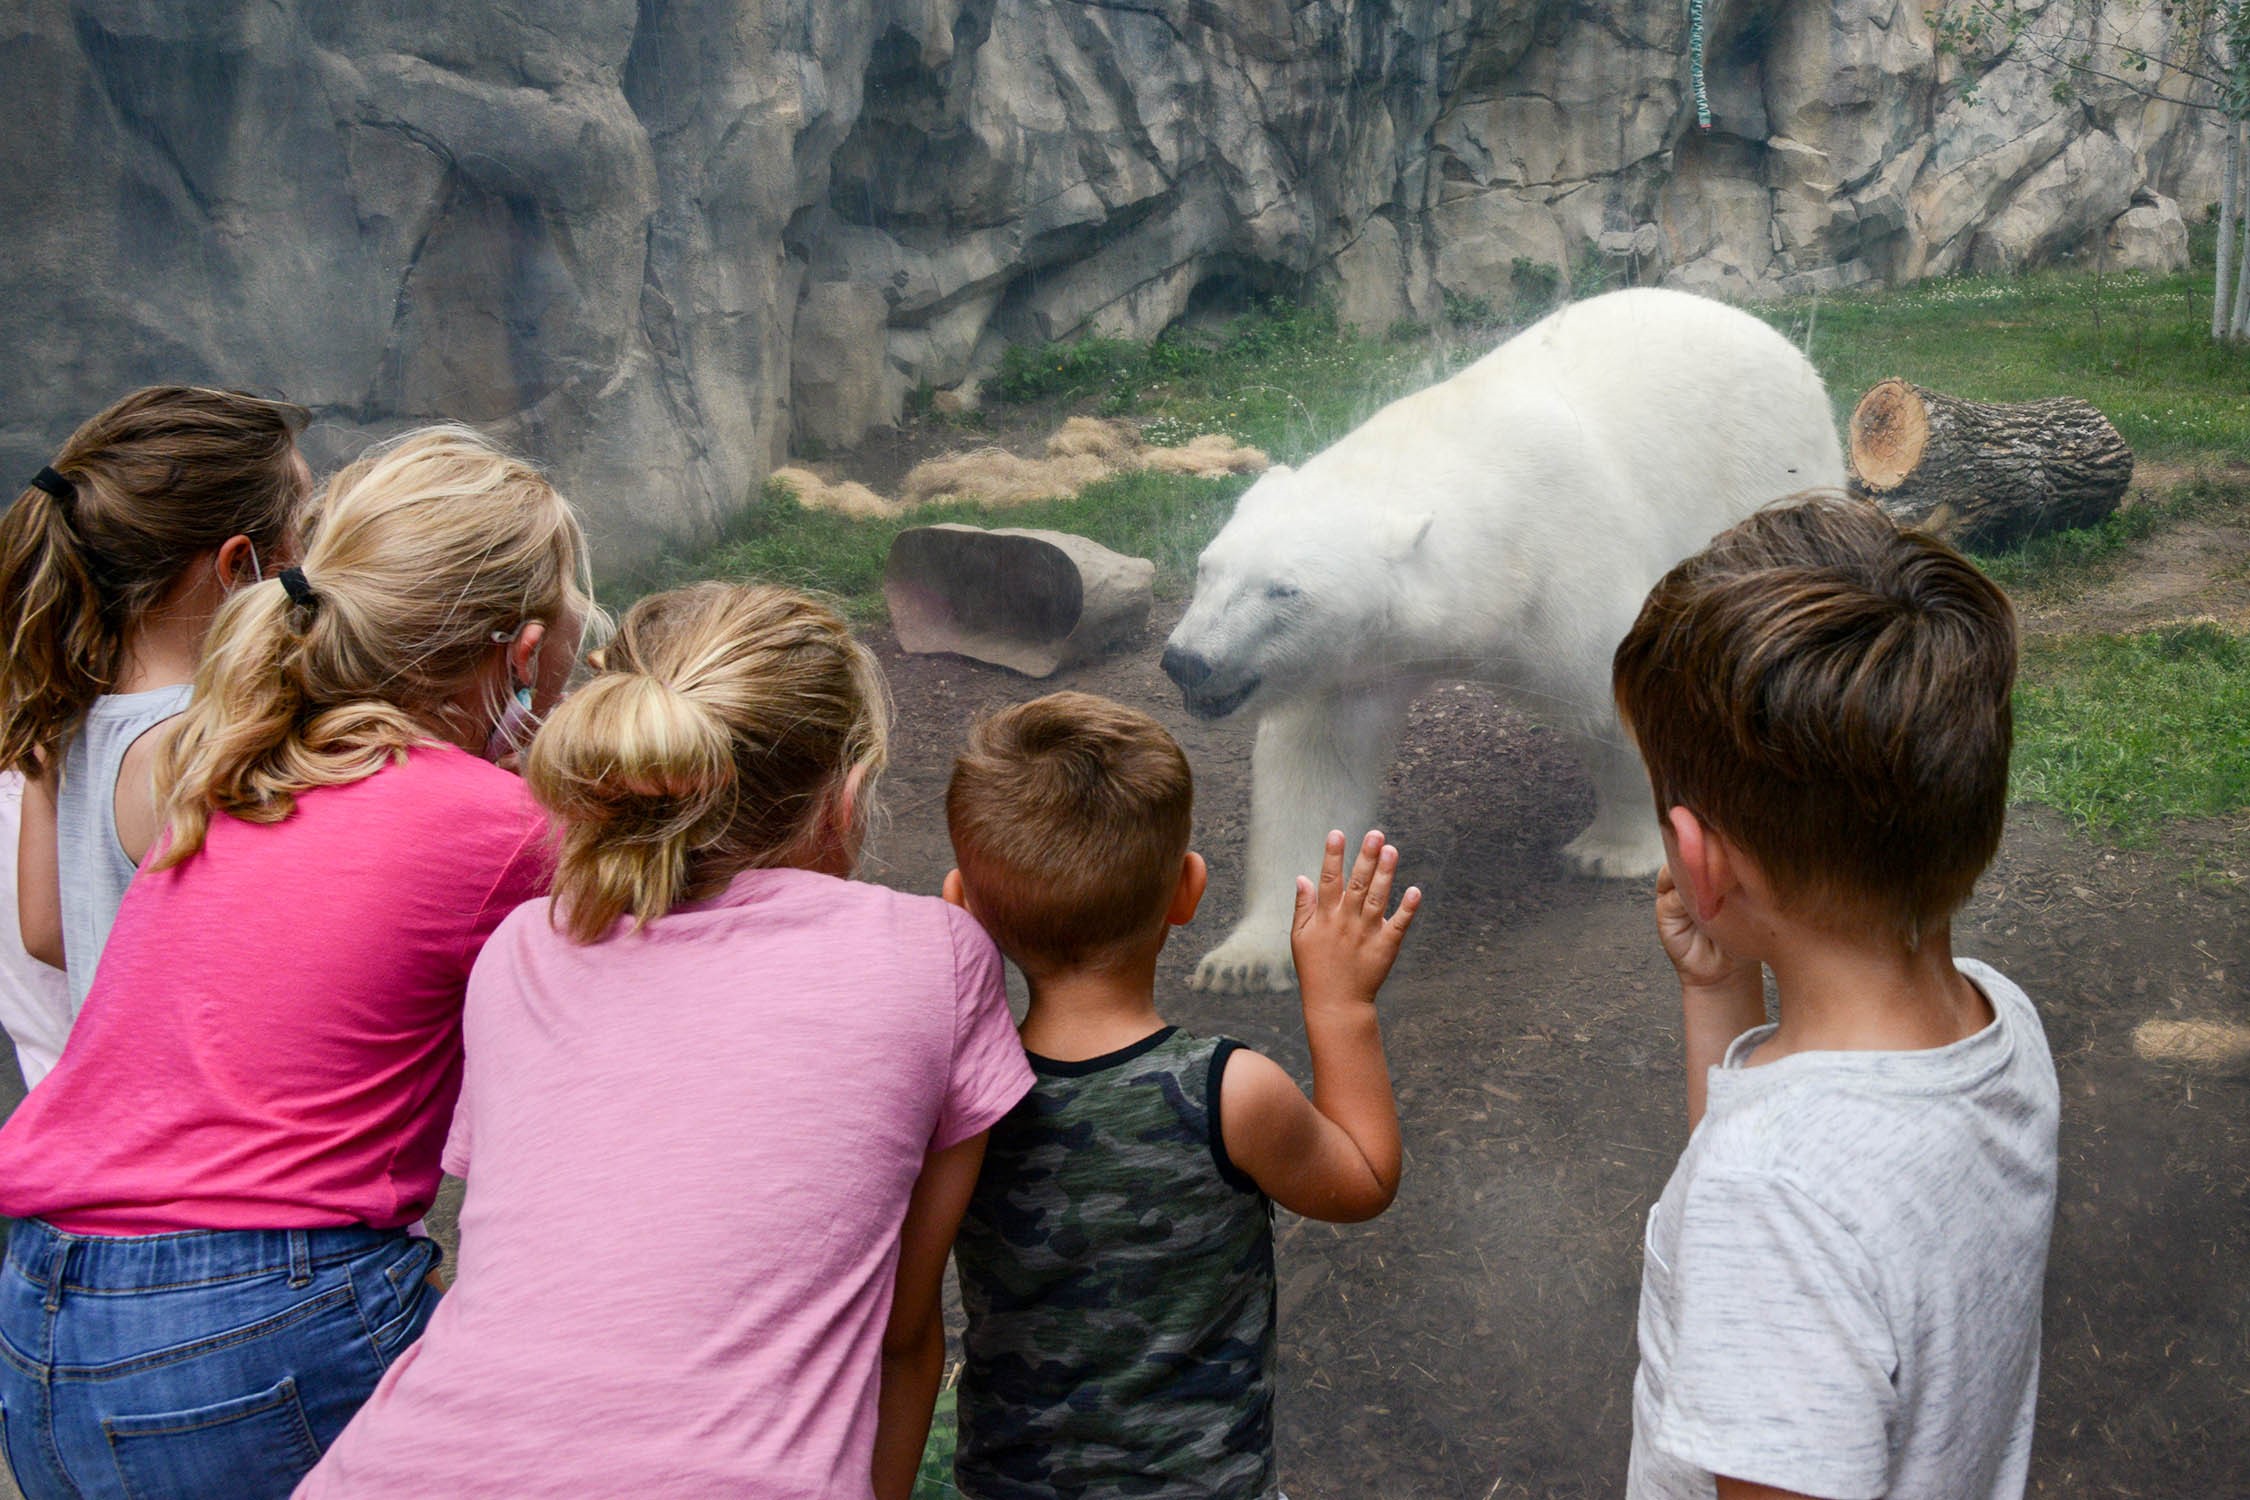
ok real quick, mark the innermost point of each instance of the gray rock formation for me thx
(653, 242)
(2149, 236)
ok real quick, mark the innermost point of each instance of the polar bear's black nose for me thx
(1185, 667)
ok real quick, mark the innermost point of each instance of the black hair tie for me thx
(54, 484)
(299, 591)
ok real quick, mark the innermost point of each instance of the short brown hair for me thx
(1831, 693)
(1070, 815)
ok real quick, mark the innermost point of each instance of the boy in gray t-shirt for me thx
(1841, 1282)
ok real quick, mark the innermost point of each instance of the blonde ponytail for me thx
(427, 552)
(716, 741)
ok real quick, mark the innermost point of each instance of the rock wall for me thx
(656, 242)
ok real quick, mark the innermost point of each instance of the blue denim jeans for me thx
(213, 1363)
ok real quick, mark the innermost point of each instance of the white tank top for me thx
(34, 999)
(93, 865)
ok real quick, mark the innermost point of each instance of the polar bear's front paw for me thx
(1594, 853)
(1246, 965)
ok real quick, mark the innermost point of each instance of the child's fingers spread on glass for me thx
(1379, 886)
(1332, 861)
(1363, 868)
(1408, 905)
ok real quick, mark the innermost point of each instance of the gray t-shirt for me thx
(1840, 1285)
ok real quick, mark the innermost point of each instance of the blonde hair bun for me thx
(718, 739)
(636, 757)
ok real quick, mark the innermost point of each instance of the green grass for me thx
(1165, 517)
(2136, 346)
(2122, 732)
(1286, 379)
(2060, 563)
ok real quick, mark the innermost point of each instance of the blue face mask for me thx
(517, 722)
(513, 732)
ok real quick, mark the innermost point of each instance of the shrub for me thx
(1468, 312)
(1535, 288)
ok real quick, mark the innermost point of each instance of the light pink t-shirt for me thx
(689, 1152)
(273, 1039)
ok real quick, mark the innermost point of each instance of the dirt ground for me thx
(2198, 568)
(1477, 1341)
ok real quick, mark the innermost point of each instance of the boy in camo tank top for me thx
(1117, 1257)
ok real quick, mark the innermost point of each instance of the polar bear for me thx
(1503, 527)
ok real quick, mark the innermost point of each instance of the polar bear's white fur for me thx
(1503, 527)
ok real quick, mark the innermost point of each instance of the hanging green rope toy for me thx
(1695, 63)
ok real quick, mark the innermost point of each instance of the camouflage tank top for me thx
(1117, 1270)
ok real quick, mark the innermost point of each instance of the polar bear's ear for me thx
(1266, 486)
(1402, 535)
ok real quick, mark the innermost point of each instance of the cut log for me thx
(1986, 475)
(1031, 601)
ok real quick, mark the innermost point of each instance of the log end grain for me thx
(1890, 428)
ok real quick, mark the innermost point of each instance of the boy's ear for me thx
(1188, 894)
(1706, 864)
(954, 891)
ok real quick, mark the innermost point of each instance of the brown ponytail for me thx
(164, 474)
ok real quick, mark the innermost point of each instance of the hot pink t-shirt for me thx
(689, 1153)
(273, 1039)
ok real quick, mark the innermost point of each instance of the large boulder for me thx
(837, 384)
(2150, 236)
(2059, 207)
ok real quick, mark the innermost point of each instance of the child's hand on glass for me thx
(1701, 963)
(1342, 935)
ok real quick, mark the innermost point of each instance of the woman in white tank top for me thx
(112, 563)
(34, 998)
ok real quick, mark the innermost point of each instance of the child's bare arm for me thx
(38, 878)
(914, 1340)
(1743, 1489)
(1336, 1155)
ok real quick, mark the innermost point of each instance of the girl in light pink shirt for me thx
(212, 1267)
(723, 1107)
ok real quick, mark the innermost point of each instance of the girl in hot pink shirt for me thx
(723, 1107)
(212, 1269)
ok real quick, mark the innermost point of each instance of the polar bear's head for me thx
(1291, 595)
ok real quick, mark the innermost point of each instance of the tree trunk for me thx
(1986, 475)
(1030, 601)
(2242, 220)
(2230, 168)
